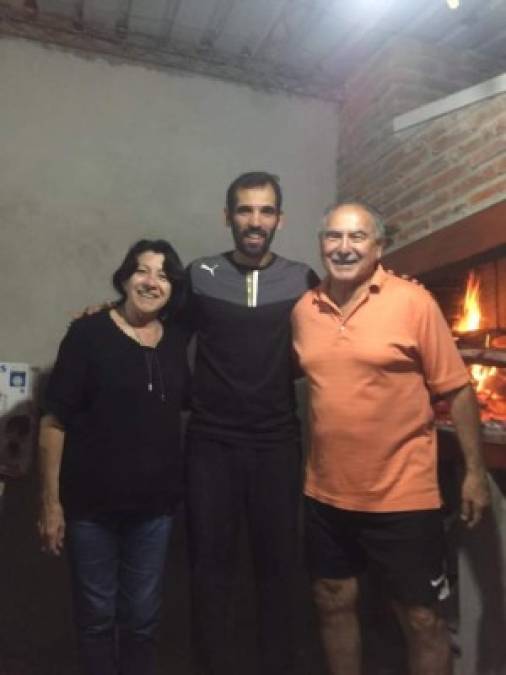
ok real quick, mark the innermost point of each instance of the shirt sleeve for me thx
(66, 390)
(443, 366)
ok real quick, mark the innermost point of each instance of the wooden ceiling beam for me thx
(123, 20)
(272, 25)
(217, 22)
(169, 16)
(78, 20)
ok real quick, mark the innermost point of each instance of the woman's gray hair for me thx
(379, 221)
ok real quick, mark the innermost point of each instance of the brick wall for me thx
(430, 176)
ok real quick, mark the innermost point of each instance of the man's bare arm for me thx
(475, 492)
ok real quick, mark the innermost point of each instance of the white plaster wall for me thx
(96, 154)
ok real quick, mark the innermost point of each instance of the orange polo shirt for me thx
(371, 373)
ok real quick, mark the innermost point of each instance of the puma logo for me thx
(203, 266)
(444, 586)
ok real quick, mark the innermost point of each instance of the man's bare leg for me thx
(428, 640)
(336, 603)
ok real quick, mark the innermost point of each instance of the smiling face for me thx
(350, 246)
(254, 221)
(148, 289)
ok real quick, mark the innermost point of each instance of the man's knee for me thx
(422, 621)
(335, 596)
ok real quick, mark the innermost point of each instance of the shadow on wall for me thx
(34, 589)
(485, 553)
(36, 628)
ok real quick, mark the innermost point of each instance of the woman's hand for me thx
(51, 526)
(51, 523)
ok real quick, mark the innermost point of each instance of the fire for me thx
(489, 383)
(480, 375)
(471, 315)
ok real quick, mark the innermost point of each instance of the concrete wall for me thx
(96, 154)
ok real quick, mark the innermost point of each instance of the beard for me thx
(252, 249)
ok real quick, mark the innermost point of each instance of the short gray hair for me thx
(378, 219)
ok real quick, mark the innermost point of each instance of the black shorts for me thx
(406, 548)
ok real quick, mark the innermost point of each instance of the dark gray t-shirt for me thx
(244, 370)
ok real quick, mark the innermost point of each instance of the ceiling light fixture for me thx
(453, 4)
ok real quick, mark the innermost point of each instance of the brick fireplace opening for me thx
(473, 249)
(449, 283)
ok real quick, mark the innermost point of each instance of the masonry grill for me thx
(472, 295)
(469, 259)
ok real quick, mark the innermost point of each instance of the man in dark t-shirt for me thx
(243, 447)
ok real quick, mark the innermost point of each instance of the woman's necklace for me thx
(150, 355)
(145, 336)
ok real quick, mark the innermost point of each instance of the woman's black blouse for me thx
(120, 406)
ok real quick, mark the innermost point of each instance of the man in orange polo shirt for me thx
(375, 349)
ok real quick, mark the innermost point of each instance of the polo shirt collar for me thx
(376, 282)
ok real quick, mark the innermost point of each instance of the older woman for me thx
(110, 459)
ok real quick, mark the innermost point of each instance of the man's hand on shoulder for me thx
(93, 309)
(406, 277)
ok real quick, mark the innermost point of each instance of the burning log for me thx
(485, 357)
(483, 338)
